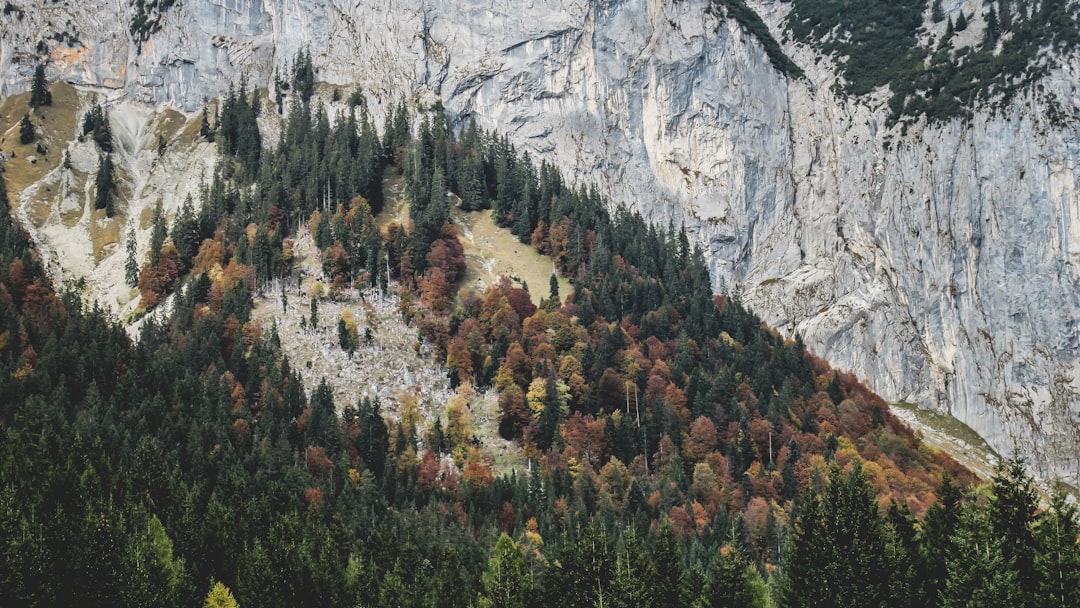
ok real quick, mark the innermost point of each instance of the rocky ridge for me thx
(939, 262)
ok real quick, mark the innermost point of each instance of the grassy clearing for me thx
(946, 433)
(55, 126)
(492, 252)
(507, 456)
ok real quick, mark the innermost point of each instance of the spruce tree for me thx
(979, 573)
(838, 558)
(103, 186)
(39, 89)
(157, 233)
(131, 265)
(507, 582)
(204, 129)
(1058, 559)
(1012, 519)
(26, 130)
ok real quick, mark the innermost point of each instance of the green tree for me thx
(26, 130)
(507, 582)
(1058, 559)
(979, 573)
(158, 233)
(204, 127)
(220, 597)
(733, 581)
(39, 89)
(322, 427)
(1012, 517)
(936, 12)
(104, 185)
(154, 574)
(131, 265)
(936, 541)
(838, 557)
(635, 575)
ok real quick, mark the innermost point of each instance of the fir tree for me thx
(103, 186)
(204, 128)
(131, 265)
(507, 582)
(157, 233)
(961, 22)
(1058, 559)
(838, 558)
(26, 130)
(936, 12)
(39, 89)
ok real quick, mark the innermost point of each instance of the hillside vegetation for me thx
(931, 67)
(680, 453)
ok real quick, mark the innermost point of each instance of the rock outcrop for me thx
(939, 262)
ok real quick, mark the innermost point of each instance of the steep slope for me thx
(938, 261)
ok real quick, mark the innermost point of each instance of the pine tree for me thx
(732, 581)
(1058, 559)
(131, 265)
(204, 129)
(39, 89)
(220, 597)
(103, 186)
(936, 12)
(937, 541)
(507, 582)
(979, 573)
(838, 556)
(1012, 517)
(26, 130)
(322, 422)
(157, 233)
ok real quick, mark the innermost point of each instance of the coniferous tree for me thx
(936, 12)
(961, 22)
(157, 233)
(507, 582)
(733, 581)
(26, 130)
(322, 423)
(204, 128)
(979, 573)
(1057, 562)
(1012, 518)
(39, 88)
(131, 265)
(185, 231)
(937, 537)
(838, 556)
(104, 185)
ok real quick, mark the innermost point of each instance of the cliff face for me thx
(939, 262)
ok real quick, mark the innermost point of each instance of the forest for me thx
(681, 453)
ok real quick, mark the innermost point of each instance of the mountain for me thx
(930, 249)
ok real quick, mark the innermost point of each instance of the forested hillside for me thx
(682, 454)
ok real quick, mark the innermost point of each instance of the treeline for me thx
(879, 43)
(681, 453)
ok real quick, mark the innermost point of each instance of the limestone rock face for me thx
(939, 263)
